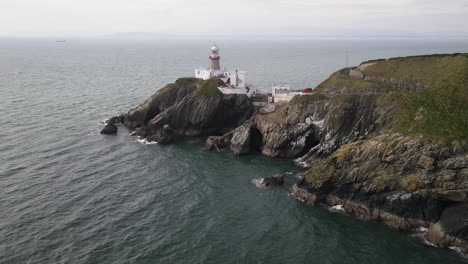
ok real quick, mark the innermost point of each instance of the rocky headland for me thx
(387, 140)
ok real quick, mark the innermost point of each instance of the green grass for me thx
(188, 82)
(441, 111)
(307, 99)
(429, 70)
(418, 56)
(210, 88)
(340, 80)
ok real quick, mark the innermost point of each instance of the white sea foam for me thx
(299, 176)
(299, 162)
(458, 250)
(427, 242)
(146, 142)
(421, 229)
(337, 208)
(258, 182)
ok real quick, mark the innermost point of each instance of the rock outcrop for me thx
(111, 125)
(405, 181)
(311, 126)
(161, 100)
(274, 180)
(189, 107)
(109, 129)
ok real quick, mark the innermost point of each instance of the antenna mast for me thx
(347, 58)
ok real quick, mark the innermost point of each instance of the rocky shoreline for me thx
(346, 133)
(404, 182)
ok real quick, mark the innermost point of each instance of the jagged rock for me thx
(196, 116)
(303, 195)
(163, 136)
(277, 179)
(190, 107)
(452, 229)
(456, 163)
(109, 129)
(240, 141)
(218, 142)
(116, 120)
(160, 101)
(314, 129)
(426, 162)
(454, 220)
(406, 191)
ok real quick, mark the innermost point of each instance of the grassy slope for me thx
(307, 99)
(429, 70)
(441, 111)
(210, 87)
(340, 80)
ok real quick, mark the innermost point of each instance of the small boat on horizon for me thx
(61, 40)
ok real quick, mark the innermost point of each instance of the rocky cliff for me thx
(188, 107)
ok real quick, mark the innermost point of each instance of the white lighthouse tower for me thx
(214, 58)
(235, 81)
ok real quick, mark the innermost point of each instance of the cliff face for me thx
(160, 101)
(311, 126)
(190, 107)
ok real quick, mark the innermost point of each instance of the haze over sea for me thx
(71, 195)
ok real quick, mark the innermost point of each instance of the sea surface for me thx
(71, 195)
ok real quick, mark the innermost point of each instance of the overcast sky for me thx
(316, 18)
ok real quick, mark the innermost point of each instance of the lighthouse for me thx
(214, 58)
(234, 80)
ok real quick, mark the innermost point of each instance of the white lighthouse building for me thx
(234, 80)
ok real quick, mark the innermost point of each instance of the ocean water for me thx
(71, 195)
